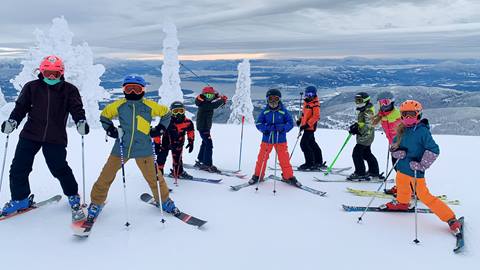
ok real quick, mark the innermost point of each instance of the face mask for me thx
(409, 121)
(51, 82)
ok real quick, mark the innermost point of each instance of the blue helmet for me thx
(310, 91)
(135, 80)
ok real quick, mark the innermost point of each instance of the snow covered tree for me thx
(2, 98)
(241, 101)
(170, 89)
(79, 67)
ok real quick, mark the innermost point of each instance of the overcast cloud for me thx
(273, 28)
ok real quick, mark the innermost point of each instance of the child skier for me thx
(47, 101)
(308, 124)
(390, 118)
(207, 102)
(274, 122)
(365, 133)
(415, 148)
(173, 139)
(133, 140)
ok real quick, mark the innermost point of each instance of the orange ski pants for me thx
(405, 186)
(283, 158)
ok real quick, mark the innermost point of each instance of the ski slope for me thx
(246, 229)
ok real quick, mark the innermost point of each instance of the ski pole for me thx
(4, 159)
(83, 171)
(191, 71)
(241, 145)
(388, 161)
(276, 158)
(295, 145)
(336, 157)
(263, 168)
(299, 130)
(124, 183)
(416, 241)
(155, 164)
(378, 189)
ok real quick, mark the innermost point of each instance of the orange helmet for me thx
(411, 111)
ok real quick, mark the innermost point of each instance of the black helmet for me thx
(362, 97)
(176, 105)
(274, 92)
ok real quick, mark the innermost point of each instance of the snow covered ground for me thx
(245, 229)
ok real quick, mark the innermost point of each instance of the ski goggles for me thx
(273, 98)
(209, 95)
(133, 88)
(51, 74)
(310, 95)
(177, 111)
(384, 102)
(409, 114)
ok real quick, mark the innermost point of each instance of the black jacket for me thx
(47, 107)
(205, 111)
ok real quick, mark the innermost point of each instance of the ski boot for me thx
(293, 181)
(93, 212)
(77, 211)
(14, 206)
(182, 175)
(358, 177)
(391, 191)
(306, 167)
(198, 164)
(253, 180)
(376, 176)
(321, 166)
(394, 205)
(210, 169)
(455, 226)
(169, 207)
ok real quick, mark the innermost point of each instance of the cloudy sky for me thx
(210, 29)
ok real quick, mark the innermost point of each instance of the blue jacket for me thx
(279, 120)
(415, 140)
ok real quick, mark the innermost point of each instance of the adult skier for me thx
(133, 140)
(308, 124)
(47, 101)
(274, 122)
(208, 101)
(365, 134)
(416, 149)
(390, 118)
(174, 139)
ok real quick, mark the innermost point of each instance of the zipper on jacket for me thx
(48, 114)
(133, 131)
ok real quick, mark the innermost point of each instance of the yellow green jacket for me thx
(135, 117)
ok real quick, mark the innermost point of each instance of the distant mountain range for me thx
(449, 89)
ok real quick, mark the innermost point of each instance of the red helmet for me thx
(52, 63)
(208, 89)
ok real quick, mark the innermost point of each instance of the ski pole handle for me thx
(339, 152)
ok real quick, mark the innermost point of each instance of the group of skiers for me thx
(50, 99)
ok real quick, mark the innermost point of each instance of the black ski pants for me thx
(310, 148)
(205, 155)
(162, 153)
(55, 157)
(362, 153)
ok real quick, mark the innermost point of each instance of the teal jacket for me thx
(135, 117)
(415, 140)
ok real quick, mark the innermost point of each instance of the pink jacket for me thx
(390, 121)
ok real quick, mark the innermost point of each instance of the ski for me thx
(198, 179)
(191, 220)
(53, 199)
(336, 171)
(350, 208)
(383, 195)
(372, 180)
(302, 187)
(229, 173)
(238, 187)
(460, 242)
(82, 228)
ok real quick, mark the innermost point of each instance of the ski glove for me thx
(8, 126)
(427, 160)
(399, 154)
(224, 99)
(353, 129)
(114, 132)
(303, 127)
(82, 127)
(298, 122)
(157, 131)
(189, 146)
